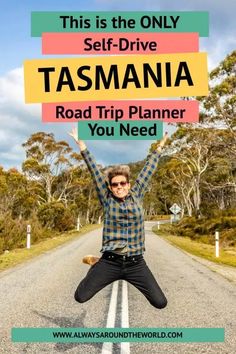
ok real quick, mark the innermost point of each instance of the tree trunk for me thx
(88, 208)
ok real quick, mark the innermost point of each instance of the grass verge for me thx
(20, 255)
(227, 256)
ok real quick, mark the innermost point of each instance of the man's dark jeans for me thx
(112, 267)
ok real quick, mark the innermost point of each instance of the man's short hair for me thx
(121, 170)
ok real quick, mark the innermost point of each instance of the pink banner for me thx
(119, 43)
(174, 111)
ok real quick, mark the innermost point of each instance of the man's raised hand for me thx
(74, 134)
(162, 142)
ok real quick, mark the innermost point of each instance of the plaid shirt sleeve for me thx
(97, 175)
(144, 177)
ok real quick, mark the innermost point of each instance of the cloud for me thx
(120, 152)
(218, 49)
(20, 120)
(221, 40)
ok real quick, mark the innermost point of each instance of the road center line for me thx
(124, 346)
(111, 317)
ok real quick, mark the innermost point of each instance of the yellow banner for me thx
(116, 77)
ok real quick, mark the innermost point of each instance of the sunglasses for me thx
(116, 184)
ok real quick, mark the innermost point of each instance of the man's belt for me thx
(111, 256)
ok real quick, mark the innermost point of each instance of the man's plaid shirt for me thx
(123, 219)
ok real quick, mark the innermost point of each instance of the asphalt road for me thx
(40, 292)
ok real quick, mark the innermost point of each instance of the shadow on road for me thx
(64, 322)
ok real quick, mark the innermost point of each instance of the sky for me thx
(19, 120)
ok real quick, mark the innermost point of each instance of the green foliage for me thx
(13, 232)
(220, 104)
(55, 216)
(204, 229)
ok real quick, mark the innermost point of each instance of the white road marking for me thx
(124, 346)
(111, 317)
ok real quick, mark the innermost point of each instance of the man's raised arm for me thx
(95, 171)
(144, 177)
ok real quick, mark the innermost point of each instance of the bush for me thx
(200, 229)
(229, 222)
(204, 229)
(228, 238)
(157, 217)
(55, 216)
(13, 232)
(1, 244)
